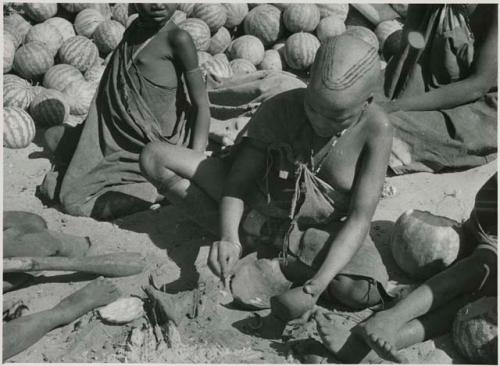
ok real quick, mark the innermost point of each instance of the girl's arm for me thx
(481, 80)
(185, 52)
(365, 197)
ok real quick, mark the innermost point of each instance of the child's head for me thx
(155, 13)
(344, 75)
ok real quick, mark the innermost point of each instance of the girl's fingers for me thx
(223, 259)
(213, 260)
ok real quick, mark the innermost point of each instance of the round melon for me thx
(47, 34)
(248, 47)
(9, 50)
(79, 95)
(364, 34)
(339, 10)
(103, 8)
(12, 79)
(178, 16)
(17, 95)
(108, 35)
(220, 41)
(18, 128)
(40, 11)
(235, 13)
(264, 22)
(79, 52)
(87, 21)
(281, 6)
(17, 26)
(241, 66)
(218, 68)
(203, 57)
(59, 76)
(49, 108)
(14, 37)
(94, 74)
(64, 27)
(385, 29)
(74, 7)
(301, 17)
(330, 27)
(300, 50)
(120, 13)
(271, 61)
(213, 14)
(131, 19)
(423, 244)
(475, 331)
(186, 8)
(199, 32)
(32, 60)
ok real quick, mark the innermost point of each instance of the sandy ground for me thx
(169, 243)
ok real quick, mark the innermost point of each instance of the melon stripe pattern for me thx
(40, 11)
(330, 27)
(339, 10)
(213, 14)
(9, 50)
(94, 74)
(32, 60)
(119, 12)
(18, 128)
(17, 95)
(300, 50)
(47, 34)
(59, 76)
(64, 27)
(11, 79)
(49, 108)
(248, 47)
(264, 22)
(218, 67)
(203, 57)
(178, 17)
(79, 95)
(87, 21)
(186, 8)
(79, 52)
(271, 61)
(199, 32)
(108, 35)
(220, 41)
(18, 26)
(235, 12)
(240, 66)
(301, 17)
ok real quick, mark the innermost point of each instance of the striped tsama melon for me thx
(199, 32)
(235, 13)
(59, 76)
(11, 79)
(40, 11)
(178, 16)
(14, 37)
(32, 60)
(218, 67)
(300, 50)
(475, 331)
(271, 61)
(74, 7)
(203, 57)
(17, 26)
(102, 8)
(108, 35)
(120, 13)
(18, 128)
(94, 74)
(47, 34)
(87, 21)
(9, 50)
(17, 95)
(301, 17)
(248, 47)
(37, 89)
(220, 41)
(330, 27)
(213, 14)
(64, 27)
(186, 8)
(79, 52)
(49, 108)
(339, 10)
(264, 22)
(364, 34)
(79, 95)
(240, 66)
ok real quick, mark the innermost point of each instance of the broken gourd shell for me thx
(123, 310)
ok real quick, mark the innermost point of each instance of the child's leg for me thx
(187, 178)
(381, 331)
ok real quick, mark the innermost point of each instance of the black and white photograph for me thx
(250, 183)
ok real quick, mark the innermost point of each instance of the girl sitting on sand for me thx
(141, 99)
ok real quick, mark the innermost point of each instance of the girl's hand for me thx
(223, 256)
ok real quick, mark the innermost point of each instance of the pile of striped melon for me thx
(55, 54)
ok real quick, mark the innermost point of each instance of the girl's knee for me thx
(149, 160)
(356, 293)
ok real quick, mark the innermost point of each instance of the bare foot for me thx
(380, 334)
(336, 336)
(97, 293)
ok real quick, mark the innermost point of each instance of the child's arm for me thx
(185, 52)
(248, 166)
(481, 80)
(365, 196)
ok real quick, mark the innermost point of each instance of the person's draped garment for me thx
(103, 178)
(456, 138)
